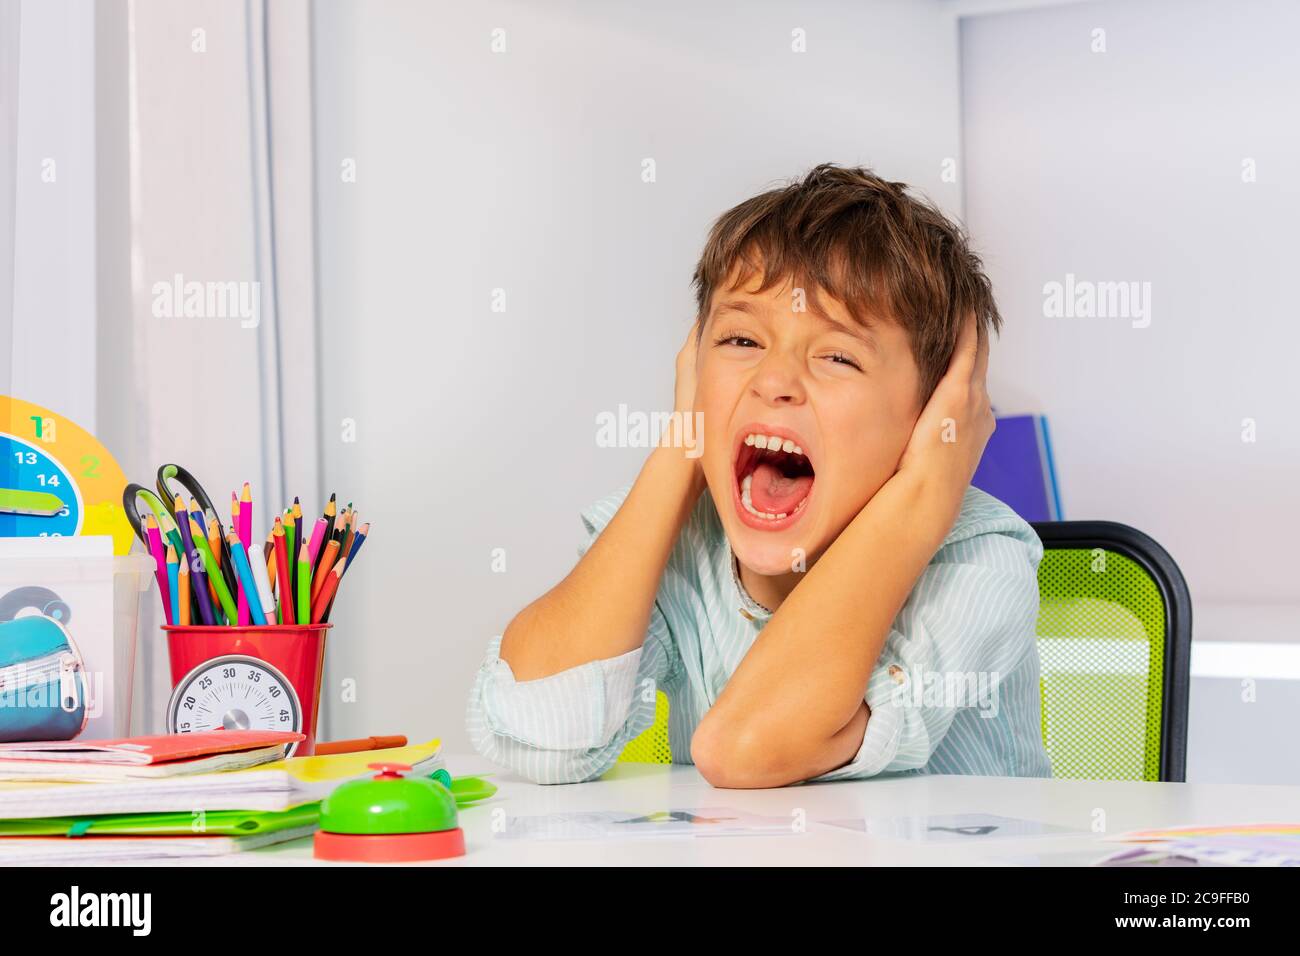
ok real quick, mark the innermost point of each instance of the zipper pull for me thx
(68, 683)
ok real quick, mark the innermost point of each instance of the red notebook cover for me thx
(160, 748)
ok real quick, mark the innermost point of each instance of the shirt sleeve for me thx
(570, 727)
(968, 623)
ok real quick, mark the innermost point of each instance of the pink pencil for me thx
(317, 536)
(244, 528)
(160, 562)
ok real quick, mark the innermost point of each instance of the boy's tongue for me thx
(776, 494)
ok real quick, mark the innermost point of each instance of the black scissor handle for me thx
(189, 483)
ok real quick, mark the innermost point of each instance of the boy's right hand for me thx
(684, 388)
(689, 446)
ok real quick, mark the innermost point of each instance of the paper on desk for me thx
(1259, 844)
(45, 850)
(953, 827)
(620, 824)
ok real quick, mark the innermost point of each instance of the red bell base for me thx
(389, 847)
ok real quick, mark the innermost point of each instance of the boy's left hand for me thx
(954, 427)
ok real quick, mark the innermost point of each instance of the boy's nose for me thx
(777, 381)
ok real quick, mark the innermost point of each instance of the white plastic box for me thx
(96, 595)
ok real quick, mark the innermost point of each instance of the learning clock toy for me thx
(57, 479)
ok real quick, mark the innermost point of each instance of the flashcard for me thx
(955, 827)
(613, 824)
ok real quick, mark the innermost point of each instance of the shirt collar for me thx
(746, 606)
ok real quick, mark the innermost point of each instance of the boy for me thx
(841, 603)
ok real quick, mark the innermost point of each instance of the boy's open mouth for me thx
(774, 478)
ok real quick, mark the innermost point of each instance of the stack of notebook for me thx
(170, 796)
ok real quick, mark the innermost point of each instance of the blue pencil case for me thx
(42, 681)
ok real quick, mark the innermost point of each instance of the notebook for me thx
(273, 786)
(46, 850)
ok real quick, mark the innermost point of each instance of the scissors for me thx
(161, 507)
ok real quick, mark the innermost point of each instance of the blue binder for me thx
(1017, 468)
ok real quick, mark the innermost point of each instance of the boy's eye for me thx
(840, 358)
(743, 341)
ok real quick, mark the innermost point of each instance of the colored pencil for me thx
(326, 564)
(196, 515)
(263, 580)
(300, 541)
(198, 579)
(245, 528)
(331, 510)
(326, 594)
(349, 533)
(214, 574)
(282, 572)
(173, 582)
(160, 563)
(360, 745)
(241, 595)
(215, 534)
(247, 582)
(183, 586)
(358, 540)
(291, 546)
(317, 536)
(304, 587)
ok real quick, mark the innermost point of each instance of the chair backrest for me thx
(1114, 640)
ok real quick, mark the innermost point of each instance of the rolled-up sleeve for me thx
(569, 727)
(968, 623)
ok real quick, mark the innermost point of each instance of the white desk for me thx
(645, 787)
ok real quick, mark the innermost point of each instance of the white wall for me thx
(1127, 165)
(52, 362)
(521, 171)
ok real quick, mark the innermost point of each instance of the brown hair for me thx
(867, 243)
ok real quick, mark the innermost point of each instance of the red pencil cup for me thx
(258, 677)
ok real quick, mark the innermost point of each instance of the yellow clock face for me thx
(57, 479)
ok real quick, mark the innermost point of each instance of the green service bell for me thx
(390, 818)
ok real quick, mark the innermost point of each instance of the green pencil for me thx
(304, 587)
(214, 572)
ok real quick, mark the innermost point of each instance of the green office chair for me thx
(1114, 639)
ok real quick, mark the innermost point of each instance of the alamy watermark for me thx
(181, 299)
(632, 429)
(1085, 299)
(950, 690)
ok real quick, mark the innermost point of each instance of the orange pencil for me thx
(322, 600)
(345, 561)
(322, 572)
(183, 576)
(356, 746)
(282, 567)
(214, 538)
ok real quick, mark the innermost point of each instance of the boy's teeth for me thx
(773, 443)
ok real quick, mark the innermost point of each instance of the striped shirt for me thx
(955, 689)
